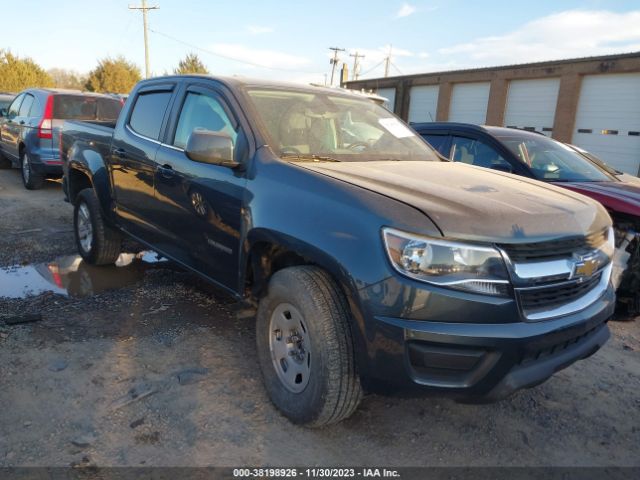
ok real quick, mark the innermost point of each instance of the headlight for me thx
(455, 265)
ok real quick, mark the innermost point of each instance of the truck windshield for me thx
(318, 126)
(554, 161)
(85, 107)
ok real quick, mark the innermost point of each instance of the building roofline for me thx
(547, 63)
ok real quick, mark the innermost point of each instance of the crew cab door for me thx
(200, 204)
(132, 160)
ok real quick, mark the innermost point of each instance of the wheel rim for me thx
(26, 169)
(85, 228)
(290, 346)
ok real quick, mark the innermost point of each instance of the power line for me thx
(394, 66)
(373, 68)
(228, 57)
(144, 10)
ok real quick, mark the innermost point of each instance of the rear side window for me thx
(84, 107)
(26, 106)
(15, 106)
(148, 113)
(439, 142)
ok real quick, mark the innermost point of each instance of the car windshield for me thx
(319, 126)
(553, 161)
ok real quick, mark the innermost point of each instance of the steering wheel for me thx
(355, 145)
(290, 151)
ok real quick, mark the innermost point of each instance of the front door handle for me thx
(21, 122)
(166, 170)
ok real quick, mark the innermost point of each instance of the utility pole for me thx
(144, 10)
(334, 61)
(387, 61)
(356, 65)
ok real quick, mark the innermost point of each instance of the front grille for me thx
(555, 249)
(551, 296)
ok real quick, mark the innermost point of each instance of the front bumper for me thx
(483, 361)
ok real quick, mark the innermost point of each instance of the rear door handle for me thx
(166, 170)
(119, 152)
(21, 122)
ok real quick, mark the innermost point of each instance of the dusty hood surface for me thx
(475, 203)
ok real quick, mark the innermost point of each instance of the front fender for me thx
(336, 269)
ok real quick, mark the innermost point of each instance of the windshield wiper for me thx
(308, 157)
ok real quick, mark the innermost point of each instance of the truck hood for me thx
(474, 203)
(618, 197)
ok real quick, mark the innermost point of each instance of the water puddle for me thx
(71, 276)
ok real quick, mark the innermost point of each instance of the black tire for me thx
(30, 179)
(103, 248)
(333, 391)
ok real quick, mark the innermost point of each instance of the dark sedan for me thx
(533, 155)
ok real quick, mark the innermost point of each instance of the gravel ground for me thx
(152, 368)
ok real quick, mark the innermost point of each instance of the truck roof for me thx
(235, 82)
(489, 129)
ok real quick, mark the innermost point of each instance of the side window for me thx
(202, 111)
(148, 113)
(26, 106)
(36, 109)
(476, 152)
(439, 142)
(15, 106)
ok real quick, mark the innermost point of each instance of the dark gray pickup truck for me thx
(371, 262)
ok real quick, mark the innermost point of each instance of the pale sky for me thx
(289, 40)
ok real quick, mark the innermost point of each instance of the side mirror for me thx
(3, 112)
(207, 146)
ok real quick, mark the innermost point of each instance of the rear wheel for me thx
(31, 179)
(98, 244)
(305, 347)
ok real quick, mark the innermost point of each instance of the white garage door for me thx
(390, 95)
(469, 102)
(608, 119)
(531, 104)
(423, 103)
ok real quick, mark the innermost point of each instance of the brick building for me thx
(591, 102)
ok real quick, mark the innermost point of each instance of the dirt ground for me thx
(144, 365)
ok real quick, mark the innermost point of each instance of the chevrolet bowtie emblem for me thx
(585, 268)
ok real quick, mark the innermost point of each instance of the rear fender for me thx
(84, 159)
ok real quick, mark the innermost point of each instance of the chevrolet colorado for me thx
(370, 260)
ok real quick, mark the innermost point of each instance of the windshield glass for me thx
(303, 125)
(553, 161)
(84, 107)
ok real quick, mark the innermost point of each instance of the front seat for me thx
(484, 156)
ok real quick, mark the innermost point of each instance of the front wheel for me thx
(305, 347)
(98, 244)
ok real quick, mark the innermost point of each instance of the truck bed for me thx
(94, 134)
